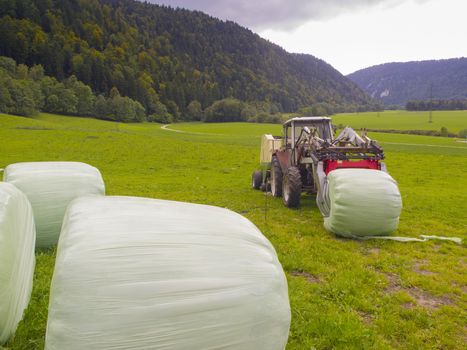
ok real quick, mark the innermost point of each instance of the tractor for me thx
(300, 160)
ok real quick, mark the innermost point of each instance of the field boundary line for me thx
(420, 144)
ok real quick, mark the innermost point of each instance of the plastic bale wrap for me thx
(50, 187)
(17, 238)
(136, 273)
(362, 203)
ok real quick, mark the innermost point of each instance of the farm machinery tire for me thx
(265, 187)
(276, 178)
(292, 187)
(256, 179)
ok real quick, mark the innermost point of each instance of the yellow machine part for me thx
(269, 144)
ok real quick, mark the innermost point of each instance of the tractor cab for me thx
(296, 128)
(297, 134)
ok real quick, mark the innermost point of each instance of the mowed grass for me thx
(344, 294)
(454, 121)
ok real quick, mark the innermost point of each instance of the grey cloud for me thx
(278, 14)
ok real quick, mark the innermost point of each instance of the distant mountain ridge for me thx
(157, 54)
(397, 83)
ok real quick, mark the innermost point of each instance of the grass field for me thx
(344, 294)
(454, 121)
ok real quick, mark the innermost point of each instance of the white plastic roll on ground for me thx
(50, 187)
(136, 273)
(17, 239)
(362, 203)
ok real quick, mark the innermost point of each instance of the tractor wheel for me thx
(292, 187)
(276, 178)
(256, 179)
(266, 186)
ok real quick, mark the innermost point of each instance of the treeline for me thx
(26, 91)
(436, 105)
(166, 59)
(233, 110)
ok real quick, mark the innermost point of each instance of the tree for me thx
(6, 102)
(52, 104)
(194, 111)
(114, 92)
(249, 112)
(22, 71)
(8, 65)
(85, 99)
(444, 131)
(160, 114)
(83, 93)
(306, 111)
(37, 94)
(22, 97)
(173, 109)
(321, 109)
(36, 72)
(101, 108)
(226, 110)
(68, 101)
(124, 109)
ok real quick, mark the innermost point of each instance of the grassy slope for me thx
(344, 294)
(403, 120)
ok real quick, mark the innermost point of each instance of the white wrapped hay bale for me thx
(50, 187)
(362, 202)
(136, 273)
(17, 238)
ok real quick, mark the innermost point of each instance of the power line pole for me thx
(430, 118)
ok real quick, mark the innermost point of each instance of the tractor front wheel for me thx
(292, 187)
(256, 179)
(276, 178)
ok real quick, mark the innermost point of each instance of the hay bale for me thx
(362, 203)
(17, 238)
(50, 187)
(136, 273)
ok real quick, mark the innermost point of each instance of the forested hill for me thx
(156, 54)
(397, 83)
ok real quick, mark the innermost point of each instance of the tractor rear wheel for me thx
(276, 178)
(256, 179)
(292, 187)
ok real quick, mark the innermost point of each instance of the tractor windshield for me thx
(322, 129)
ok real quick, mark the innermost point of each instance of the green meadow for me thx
(454, 121)
(344, 294)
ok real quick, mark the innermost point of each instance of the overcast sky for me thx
(351, 34)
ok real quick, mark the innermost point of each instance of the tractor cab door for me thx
(288, 139)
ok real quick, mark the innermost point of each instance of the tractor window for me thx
(322, 130)
(298, 130)
(288, 134)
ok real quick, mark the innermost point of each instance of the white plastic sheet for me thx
(362, 202)
(17, 238)
(136, 273)
(50, 187)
